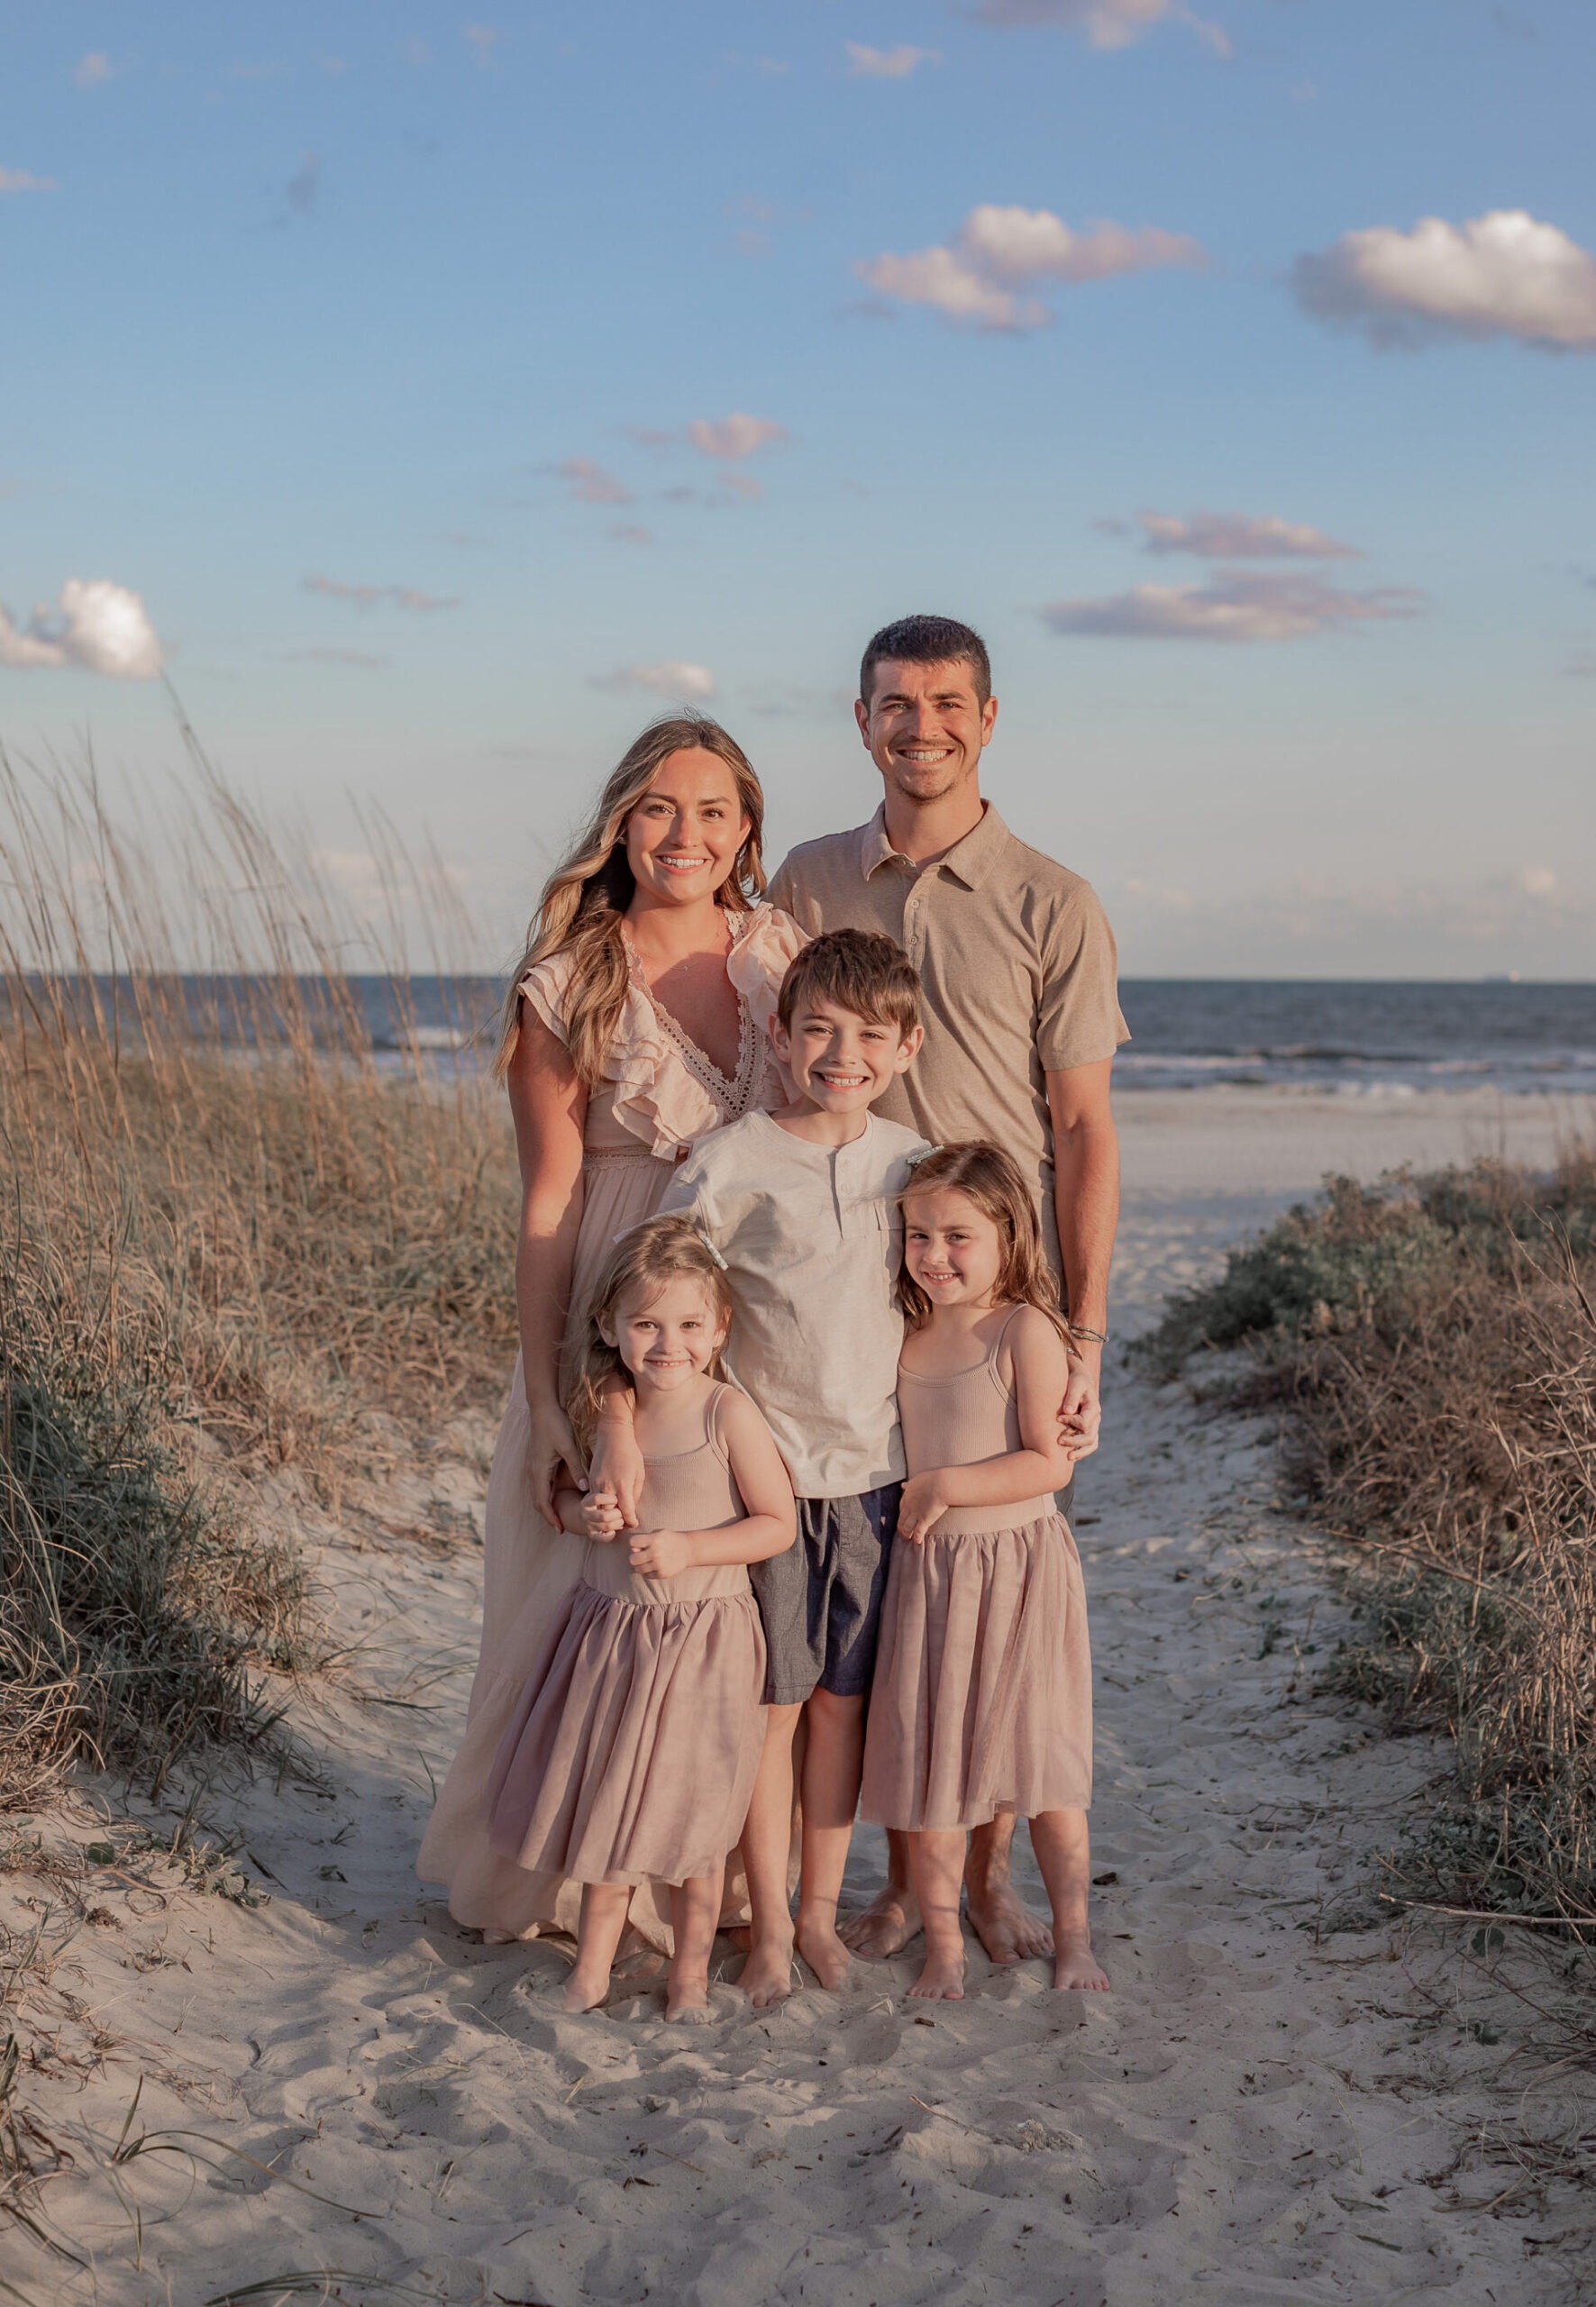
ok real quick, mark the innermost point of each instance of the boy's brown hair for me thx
(858, 969)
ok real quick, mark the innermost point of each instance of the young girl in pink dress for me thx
(981, 1699)
(631, 1754)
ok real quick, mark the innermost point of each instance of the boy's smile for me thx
(842, 1063)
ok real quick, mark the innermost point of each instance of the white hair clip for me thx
(921, 1153)
(709, 1246)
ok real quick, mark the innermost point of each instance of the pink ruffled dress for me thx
(660, 1094)
(981, 1697)
(633, 1754)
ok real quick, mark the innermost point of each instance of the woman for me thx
(636, 1022)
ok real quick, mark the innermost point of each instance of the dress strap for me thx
(712, 1433)
(996, 1348)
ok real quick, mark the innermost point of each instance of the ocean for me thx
(1357, 1039)
(1365, 1038)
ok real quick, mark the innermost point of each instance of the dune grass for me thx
(227, 1228)
(1432, 1343)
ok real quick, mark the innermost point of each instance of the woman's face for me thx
(683, 837)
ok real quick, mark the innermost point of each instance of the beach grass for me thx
(1432, 1341)
(227, 1230)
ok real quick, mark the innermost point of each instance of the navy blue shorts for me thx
(821, 1600)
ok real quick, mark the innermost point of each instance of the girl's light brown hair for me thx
(660, 1250)
(989, 1177)
(584, 899)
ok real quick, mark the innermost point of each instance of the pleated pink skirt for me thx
(981, 1699)
(633, 1754)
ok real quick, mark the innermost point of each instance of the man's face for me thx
(924, 726)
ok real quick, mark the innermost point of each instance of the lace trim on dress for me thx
(735, 1093)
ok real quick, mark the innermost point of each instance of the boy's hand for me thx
(661, 1553)
(600, 1515)
(924, 1501)
(616, 1463)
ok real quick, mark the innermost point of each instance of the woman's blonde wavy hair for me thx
(991, 1180)
(647, 1258)
(585, 900)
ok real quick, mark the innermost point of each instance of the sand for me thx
(1270, 2107)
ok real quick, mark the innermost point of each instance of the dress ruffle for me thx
(657, 1096)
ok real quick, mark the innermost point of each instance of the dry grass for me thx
(227, 1227)
(1434, 1342)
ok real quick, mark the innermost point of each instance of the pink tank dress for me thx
(633, 1753)
(981, 1699)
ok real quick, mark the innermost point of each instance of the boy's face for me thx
(842, 1063)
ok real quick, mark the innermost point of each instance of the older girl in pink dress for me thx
(636, 1023)
(981, 1699)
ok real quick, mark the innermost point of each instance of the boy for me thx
(802, 1205)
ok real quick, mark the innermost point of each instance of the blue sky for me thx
(452, 390)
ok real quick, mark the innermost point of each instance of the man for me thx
(1022, 1020)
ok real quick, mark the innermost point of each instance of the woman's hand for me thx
(599, 1515)
(617, 1463)
(553, 1460)
(924, 1501)
(661, 1553)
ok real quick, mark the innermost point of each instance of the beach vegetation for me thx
(230, 1224)
(1431, 1341)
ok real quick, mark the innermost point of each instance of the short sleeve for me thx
(546, 987)
(1079, 1020)
(684, 1195)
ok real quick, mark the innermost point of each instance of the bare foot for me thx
(884, 1928)
(585, 1990)
(500, 1938)
(1006, 1926)
(1074, 1965)
(687, 2002)
(766, 1977)
(943, 1978)
(824, 1951)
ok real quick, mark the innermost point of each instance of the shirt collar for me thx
(969, 860)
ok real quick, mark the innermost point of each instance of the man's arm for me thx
(1085, 1201)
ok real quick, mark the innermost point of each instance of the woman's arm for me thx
(1040, 1363)
(550, 1108)
(770, 1525)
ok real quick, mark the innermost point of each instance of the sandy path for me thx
(1250, 2117)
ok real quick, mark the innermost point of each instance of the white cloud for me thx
(95, 70)
(998, 253)
(367, 596)
(1106, 23)
(737, 435)
(1240, 536)
(671, 679)
(886, 63)
(484, 39)
(591, 484)
(97, 626)
(1234, 605)
(1503, 274)
(21, 180)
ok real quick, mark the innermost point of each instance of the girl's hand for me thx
(661, 1553)
(553, 1460)
(600, 1516)
(924, 1501)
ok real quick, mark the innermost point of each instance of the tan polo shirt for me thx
(811, 1235)
(1018, 969)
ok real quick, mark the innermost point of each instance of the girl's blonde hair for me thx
(990, 1179)
(584, 899)
(657, 1251)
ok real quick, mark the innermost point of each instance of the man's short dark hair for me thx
(858, 969)
(928, 640)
